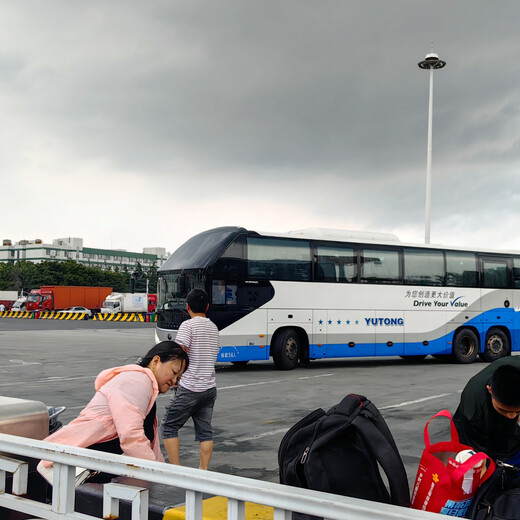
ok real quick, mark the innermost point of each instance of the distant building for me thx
(71, 248)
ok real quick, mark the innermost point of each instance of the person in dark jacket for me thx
(487, 416)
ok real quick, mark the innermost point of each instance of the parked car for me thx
(83, 310)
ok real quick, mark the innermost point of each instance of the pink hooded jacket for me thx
(124, 397)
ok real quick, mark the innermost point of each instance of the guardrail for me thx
(194, 482)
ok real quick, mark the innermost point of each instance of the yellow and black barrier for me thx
(121, 316)
(17, 314)
(57, 315)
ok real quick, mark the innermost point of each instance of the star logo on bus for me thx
(330, 322)
(348, 322)
(339, 322)
(321, 322)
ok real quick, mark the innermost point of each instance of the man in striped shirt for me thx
(197, 391)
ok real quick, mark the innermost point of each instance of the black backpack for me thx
(340, 452)
(499, 497)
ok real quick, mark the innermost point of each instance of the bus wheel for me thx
(497, 345)
(465, 346)
(285, 349)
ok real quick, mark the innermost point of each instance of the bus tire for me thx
(285, 349)
(497, 345)
(465, 346)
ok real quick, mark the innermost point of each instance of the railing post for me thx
(113, 493)
(281, 514)
(63, 488)
(236, 509)
(193, 505)
(20, 471)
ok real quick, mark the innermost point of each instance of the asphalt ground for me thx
(56, 362)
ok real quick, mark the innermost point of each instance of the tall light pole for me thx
(431, 62)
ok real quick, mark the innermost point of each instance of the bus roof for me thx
(343, 235)
(368, 237)
(205, 248)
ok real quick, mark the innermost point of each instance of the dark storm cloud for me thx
(323, 100)
(308, 84)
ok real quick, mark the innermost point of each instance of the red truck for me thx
(58, 297)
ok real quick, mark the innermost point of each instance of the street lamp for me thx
(431, 62)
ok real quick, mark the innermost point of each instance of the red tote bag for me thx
(444, 485)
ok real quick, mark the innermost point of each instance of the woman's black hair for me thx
(167, 351)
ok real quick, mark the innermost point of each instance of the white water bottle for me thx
(467, 483)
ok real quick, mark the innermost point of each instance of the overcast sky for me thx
(137, 124)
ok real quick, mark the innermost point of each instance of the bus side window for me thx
(380, 266)
(327, 272)
(223, 293)
(231, 294)
(461, 269)
(218, 292)
(335, 264)
(494, 274)
(423, 267)
(516, 272)
(278, 259)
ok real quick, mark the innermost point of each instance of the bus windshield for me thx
(202, 250)
(172, 289)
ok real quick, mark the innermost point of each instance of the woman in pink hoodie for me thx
(121, 417)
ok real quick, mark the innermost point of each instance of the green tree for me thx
(4, 284)
(22, 276)
(152, 278)
(27, 276)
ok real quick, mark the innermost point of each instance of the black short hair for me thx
(198, 300)
(167, 351)
(505, 385)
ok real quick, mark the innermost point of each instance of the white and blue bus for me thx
(315, 294)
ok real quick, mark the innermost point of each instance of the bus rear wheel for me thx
(285, 349)
(465, 346)
(497, 345)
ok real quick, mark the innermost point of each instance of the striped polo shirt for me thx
(201, 337)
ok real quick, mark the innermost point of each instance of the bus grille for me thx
(171, 318)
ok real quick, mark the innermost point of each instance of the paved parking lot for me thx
(57, 362)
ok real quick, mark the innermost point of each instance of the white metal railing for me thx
(195, 482)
